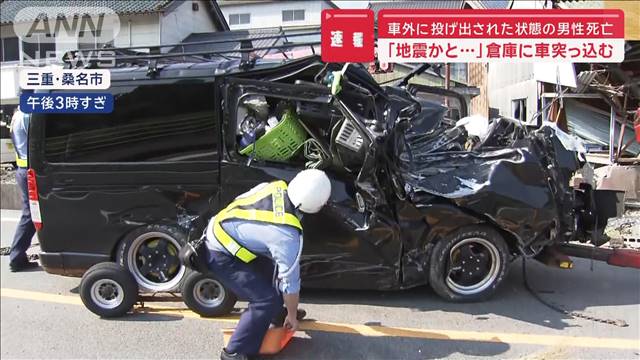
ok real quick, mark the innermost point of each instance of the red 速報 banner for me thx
(347, 35)
(585, 35)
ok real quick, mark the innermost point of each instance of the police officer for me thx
(25, 230)
(254, 249)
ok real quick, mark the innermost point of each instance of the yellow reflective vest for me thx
(269, 204)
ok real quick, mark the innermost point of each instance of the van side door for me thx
(153, 160)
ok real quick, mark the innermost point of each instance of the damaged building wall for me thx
(592, 124)
(508, 82)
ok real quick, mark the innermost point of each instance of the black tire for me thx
(108, 290)
(164, 272)
(206, 295)
(480, 262)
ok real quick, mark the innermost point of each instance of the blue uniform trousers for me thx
(25, 230)
(254, 283)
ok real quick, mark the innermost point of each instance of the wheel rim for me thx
(209, 292)
(474, 264)
(107, 294)
(154, 262)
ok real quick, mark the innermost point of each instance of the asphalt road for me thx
(42, 317)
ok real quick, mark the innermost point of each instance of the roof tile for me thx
(10, 8)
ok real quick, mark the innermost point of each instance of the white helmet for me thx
(309, 190)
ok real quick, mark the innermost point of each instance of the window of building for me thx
(519, 109)
(10, 49)
(459, 72)
(153, 123)
(239, 19)
(93, 39)
(292, 15)
(38, 47)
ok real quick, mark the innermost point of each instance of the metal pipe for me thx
(586, 251)
(543, 103)
(612, 140)
(204, 42)
(202, 53)
(616, 257)
(623, 126)
(160, 28)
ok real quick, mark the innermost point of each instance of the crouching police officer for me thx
(254, 249)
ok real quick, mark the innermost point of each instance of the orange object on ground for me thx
(274, 340)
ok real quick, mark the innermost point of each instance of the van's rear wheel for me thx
(151, 253)
(469, 264)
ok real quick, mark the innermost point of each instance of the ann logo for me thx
(88, 26)
(66, 24)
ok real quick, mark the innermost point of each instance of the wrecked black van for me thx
(416, 198)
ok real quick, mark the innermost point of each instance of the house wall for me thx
(138, 30)
(7, 31)
(269, 14)
(507, 82)
(9, 86)
(182, 21)
(135, 30)
(531, 4)
(479, 78)
(145, 29)
(69, 41)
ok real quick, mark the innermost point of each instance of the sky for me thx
(345, 4)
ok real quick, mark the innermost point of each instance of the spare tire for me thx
(151, 254)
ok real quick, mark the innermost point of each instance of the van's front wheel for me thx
(469, 264)
(150, 253)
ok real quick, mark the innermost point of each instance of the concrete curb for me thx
(10, 197)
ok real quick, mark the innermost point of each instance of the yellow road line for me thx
(371, 331)
(40, 296)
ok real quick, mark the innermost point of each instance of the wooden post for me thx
(447, 79)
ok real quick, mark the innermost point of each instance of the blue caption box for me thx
(66, 103)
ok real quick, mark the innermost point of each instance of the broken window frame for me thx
(519, 105)
(276, 90)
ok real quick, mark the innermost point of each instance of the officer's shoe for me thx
(23, 266)
(224, 355)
